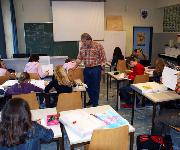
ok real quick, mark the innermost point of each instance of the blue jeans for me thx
(92, 77)
(124, 94)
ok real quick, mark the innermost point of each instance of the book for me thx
(111, 119)
(52, 119)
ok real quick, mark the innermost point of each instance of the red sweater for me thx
(137, 70)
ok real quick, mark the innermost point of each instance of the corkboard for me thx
(114, 23)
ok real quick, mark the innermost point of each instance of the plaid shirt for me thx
(93, 55)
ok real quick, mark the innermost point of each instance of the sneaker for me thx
(89, 103)
(126, 105)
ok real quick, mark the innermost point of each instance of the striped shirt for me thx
(93, 55)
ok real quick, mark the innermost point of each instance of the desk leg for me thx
(132, 116)
(62, 139)
(117, 103)
(131, 141)
(110, 83)
(107, 85)
(153, 117)
(84, 99)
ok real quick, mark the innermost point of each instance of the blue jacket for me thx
(35, 136)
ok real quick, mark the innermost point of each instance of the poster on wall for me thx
(142, 38)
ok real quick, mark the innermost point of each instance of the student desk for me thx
(41, 114)
(119, 78)
(76, 140)
(155, 98)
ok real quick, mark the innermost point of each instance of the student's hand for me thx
(47, 73)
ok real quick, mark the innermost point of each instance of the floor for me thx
(142, 120)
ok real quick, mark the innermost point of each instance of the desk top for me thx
(155, 92)
(75, 139)
(118, 77)
(42, 114)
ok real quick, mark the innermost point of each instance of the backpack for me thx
(154, 142)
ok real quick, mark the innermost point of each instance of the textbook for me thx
(80, 122)
(111, 119)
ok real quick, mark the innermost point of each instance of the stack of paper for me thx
(150, 87)
(80, 122)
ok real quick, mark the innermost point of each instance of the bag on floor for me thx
(154, 142)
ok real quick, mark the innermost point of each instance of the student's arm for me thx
(50, 86)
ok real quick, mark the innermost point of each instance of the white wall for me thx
(40, 11)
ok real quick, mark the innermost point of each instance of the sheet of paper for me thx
(48, 68)
(39, 83)
(44, 60)
(169, 77)
(9, 83)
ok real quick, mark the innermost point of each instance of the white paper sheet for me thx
(48, 68)
(38, 83)
(169, 77)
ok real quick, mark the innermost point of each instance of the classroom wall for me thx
(40, 11)
(164, 3)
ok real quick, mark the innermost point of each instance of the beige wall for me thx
(164, 3)
(40, 11)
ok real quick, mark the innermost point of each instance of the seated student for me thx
(33, 66)
(69, 64)
(138, 69)
(60, 82)
(5, 72)
(157, 73)
(117, 55)
(17, 131)
(138, 53)
(23, 86)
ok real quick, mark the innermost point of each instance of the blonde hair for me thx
(62, 77)
(24, 77)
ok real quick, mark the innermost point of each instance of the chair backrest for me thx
(141, 78)
(30, 98)
(76, 74)
(34, 76)
(3, 79)
(110, 139)
(121, 65)
(69, 101)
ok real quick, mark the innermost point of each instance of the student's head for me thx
(24, 77)
(15, 122)
(61, 75)
(34, 58)
(117, 51)
(132, 61)
(159, 65)
(2, 64)
(86, 39)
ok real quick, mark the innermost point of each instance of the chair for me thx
(76, 74)
(30, 98)
(110, 139)
(121, 65)
(34, 76)
(141, 78)
(69, 101)
(3, 79)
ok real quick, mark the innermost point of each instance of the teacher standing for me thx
(93, 56)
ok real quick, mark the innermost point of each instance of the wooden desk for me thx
(155, 98)
(41, 114)
(118, 79)
(76, 140)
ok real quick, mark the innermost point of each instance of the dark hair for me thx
(132, 58)
(34, 57)
(118, 53)
(86, 36)
(0, 63)
(15, 122)
(24, 76)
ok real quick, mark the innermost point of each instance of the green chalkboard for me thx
(39, 39)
